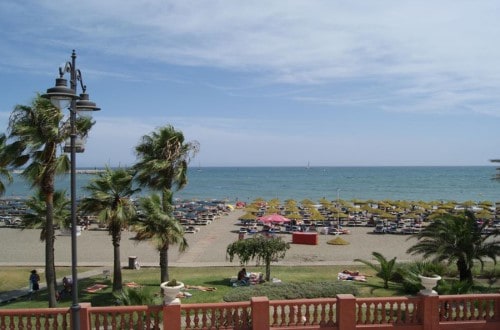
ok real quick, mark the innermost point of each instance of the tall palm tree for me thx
(459, 239)
(110, 199)
(37, 214)
(385, 268)
(163, 159)
(161, 228)
(4, 172)
(36, 131)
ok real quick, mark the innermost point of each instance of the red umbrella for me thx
(273, 218)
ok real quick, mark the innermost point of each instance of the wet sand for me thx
(206, 248)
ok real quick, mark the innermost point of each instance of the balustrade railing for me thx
(398, 310)
(125, 317)
(299, 313)
(216, 316)
(35, 318)
(468, 308)
(343, 312)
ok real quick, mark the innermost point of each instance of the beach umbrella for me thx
(306, 202)
(275, 202)
(248, 217)
(240, 204)
(486, 203)
(317, 216)
(273, 218)
(294, 216)
(251, 209)
(272, 210)
(292, 209)
(484, 214)
(325, 203)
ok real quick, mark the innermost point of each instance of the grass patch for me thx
(321, 278)
(292, 290)
(13, 278)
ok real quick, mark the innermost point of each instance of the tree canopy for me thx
(258, 248)
(458, 239)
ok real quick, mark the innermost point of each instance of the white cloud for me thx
(423, 43)
(289, 59)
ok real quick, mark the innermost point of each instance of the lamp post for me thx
(61, 97)
(338, 207)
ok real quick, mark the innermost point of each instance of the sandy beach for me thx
(206, 247)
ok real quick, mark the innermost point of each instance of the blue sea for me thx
(377, 183)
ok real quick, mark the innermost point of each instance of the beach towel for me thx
(96, 287)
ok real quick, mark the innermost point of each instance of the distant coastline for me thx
(78, 171)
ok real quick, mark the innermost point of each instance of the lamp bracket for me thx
(78, 75)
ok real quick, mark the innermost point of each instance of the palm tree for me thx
(163, 162)
(162, 229)
(110, 200)
(36, 131)
(37, 214)
(385, 268)
(163, 159)
(4, 172)
(35, 218)
(459, 239)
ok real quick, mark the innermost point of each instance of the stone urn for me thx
(429, 282)
(170, 291)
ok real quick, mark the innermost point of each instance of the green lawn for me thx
(216, 277)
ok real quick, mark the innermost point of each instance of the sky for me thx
(270, 83)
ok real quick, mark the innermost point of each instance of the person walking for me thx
(34, 283)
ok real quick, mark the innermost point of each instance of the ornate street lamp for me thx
(61, 97)
(338, 207)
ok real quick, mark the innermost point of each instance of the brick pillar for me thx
(346, 312)
(172, 316)
(260, 313)
(496, 316)
(429, 314)
(85, 316)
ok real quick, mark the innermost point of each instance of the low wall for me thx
(345, 312)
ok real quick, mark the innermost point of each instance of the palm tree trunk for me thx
(164, 277)
(50, 274)
(464, 270)
(117, 270)
(167, 200)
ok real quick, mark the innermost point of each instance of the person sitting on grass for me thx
(243, 277)
(66, 289)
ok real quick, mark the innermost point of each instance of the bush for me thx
(407, 274)
(135, 296)
(301, 290)
(455, 287)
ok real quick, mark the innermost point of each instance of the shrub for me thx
(455, 287)
(292, 290)
(134, 297)
(172, 283)
(407, 274)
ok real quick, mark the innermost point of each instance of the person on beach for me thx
(34, 283)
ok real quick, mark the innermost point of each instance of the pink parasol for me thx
(273, 218)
